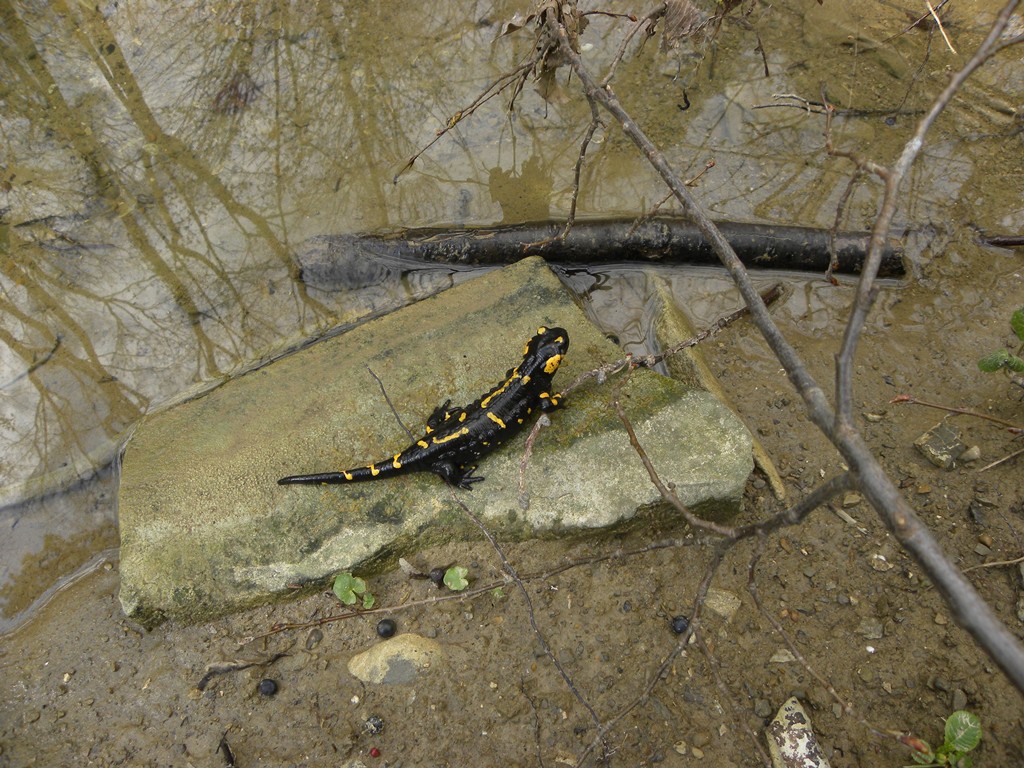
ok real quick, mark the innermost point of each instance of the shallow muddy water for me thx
(163, 167)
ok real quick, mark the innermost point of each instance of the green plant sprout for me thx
(963, 732)
(348, 588)
(1011, 362)
(455, 578)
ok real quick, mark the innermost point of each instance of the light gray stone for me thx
(791, 739)
(205, 529)
(396, 661)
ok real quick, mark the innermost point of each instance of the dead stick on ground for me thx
(966, 605)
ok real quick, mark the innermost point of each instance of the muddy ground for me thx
(87, 687)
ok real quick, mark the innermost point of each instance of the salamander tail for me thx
(366, 472)
(320, 477)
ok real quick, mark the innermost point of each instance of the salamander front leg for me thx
(549, 402)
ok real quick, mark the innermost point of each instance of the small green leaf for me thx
(1017, 323)
(455, 578)
(1015, 364)
(368, 600)
(963, 731)
(498, 593)
(347, 586)
(994, 361)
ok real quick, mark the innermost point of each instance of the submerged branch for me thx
(659, 240)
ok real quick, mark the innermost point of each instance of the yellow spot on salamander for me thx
(348, 475)
(496, 420)
(374, 471)
(552, 364)
(395, 462)
(462, 417)
(499, 389)
(547, 396)
(526, 380)
(429, 430)
(424, 443)
(452, 436)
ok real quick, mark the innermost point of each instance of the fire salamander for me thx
(457, 437)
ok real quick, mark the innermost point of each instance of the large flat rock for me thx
(205, 529)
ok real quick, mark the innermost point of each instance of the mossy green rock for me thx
(205, 529)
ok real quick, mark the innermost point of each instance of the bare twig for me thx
(513, 576)
(391, 405)
(996, 463)
(995, 564)
(970, 610)
(684, 639)
(953, 409)
(517, 75)
(938, 23)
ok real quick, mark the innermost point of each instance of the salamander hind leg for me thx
(439, 415)
(459, 477)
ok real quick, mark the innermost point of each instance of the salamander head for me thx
(544, 352)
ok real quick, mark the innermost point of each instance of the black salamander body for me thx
(456, 437)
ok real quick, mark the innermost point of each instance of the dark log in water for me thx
(332, 259)
(1004, 241)
(660, 240)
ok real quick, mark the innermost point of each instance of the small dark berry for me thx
(386, 628)
(374, 752)
(437, 576)
(267, 687)
(680, 624)
(374, 725)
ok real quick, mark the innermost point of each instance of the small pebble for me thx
(267, 687)
(386, 628)
(763, 708)
(971, 454)
(871, 629)
(959, 699)
(437, 576)
(985, 539)
(374, 725)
